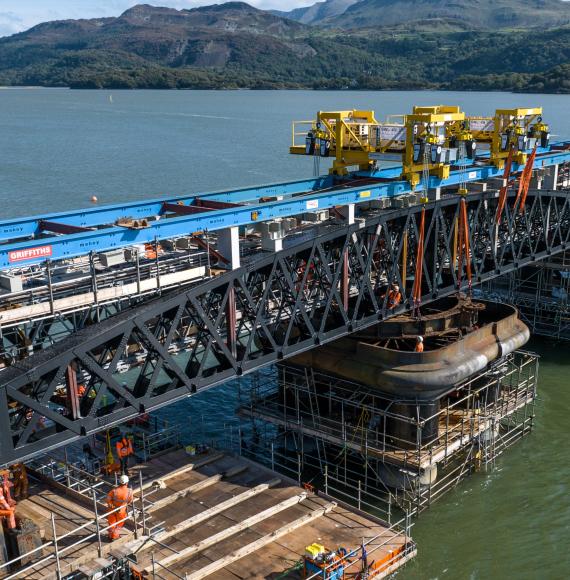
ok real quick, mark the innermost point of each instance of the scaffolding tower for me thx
(330, 431)
(540, 292)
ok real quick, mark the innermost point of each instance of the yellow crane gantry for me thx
(430, 139)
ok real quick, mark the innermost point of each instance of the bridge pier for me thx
(362, 409)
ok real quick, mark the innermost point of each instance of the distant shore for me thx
(564, 91)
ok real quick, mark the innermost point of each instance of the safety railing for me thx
(299, 130)
(359, 557)
(94, 489)
(353, 424)
(487, 414)
(161, 441)
(57, 551)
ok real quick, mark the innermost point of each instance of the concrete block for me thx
(496, 182)
(550, 180)
(316, 216)
(382, 203)
(131, 253)
(434, 193)
(228, 246)
(113, 258)
(272, 245)
(290, 223)
(400, 202)
(184, 243)
(11, 283)
(537, 180)
(347, 212)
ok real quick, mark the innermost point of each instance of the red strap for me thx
(417, 288)
(525, 180)
(464, 251)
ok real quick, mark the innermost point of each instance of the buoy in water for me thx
(94, 199)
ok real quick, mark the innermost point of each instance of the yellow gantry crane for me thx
(345, 135)
(516, 129)
(430, 139)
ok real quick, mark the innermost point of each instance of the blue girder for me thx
(317, 193)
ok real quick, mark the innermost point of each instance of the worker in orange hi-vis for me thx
(7, 507)
(419, 344)
(394, 297)
(124, 451)
(119, 497)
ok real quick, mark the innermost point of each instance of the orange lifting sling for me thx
(417, 288)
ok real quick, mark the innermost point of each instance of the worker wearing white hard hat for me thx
(419, 344)
(118, 499)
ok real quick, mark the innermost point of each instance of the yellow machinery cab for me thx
(343, 135)
(517, 129)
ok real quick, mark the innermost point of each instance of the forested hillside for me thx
(236, 46)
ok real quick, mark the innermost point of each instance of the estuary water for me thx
(59, 147)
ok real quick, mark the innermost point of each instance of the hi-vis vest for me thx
(394, 298)
(124, 447)
(120, 496)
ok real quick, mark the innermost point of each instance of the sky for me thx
(18, 15)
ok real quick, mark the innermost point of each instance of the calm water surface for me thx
(59, 147)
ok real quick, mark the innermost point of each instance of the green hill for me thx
(234, 45)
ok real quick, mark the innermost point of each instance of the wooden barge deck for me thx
(215, 516)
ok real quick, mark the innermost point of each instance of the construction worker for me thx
(20, 476)
(394, 297)
(7, 504)
(119, 497)
(124, 451)
(419, 344)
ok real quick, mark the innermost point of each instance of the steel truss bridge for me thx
(269, 309)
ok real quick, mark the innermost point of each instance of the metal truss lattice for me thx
(269, 309)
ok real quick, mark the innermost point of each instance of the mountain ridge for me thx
(318, 12)
(477, 14)
(235, 45)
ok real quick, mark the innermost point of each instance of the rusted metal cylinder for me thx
(411, 424)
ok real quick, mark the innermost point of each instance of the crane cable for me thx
(462, 153)
(417, 287)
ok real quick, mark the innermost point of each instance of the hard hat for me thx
(420, 339)
(396, 287)
(124, 479)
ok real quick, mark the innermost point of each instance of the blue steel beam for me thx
(109, 214)
(60, 247)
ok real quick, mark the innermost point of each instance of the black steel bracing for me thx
(20, 340)
(269, 309)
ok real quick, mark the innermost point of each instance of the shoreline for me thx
(275, 89)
